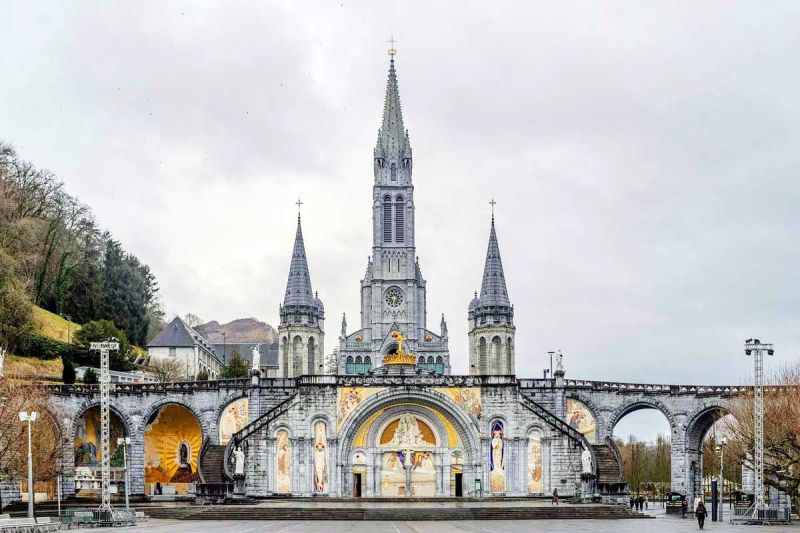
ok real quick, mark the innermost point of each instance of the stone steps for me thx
(212, 464)
(608, 469)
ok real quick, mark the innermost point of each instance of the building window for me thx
(439, 365)
(394, 172)
(173, 352)
(349, 366)
(387, 219)
(399, 220)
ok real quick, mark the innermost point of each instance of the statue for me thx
(586, 461)
(256, 358)
(398, 336)
(238, 457)
(2, 360)
(183, 455)
(559, 362)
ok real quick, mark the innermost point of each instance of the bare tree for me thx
(192, 320)
(781, 430)
(167, 370)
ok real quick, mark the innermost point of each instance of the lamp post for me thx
(723, 441)
(29, 418)
(224, 346)
(125, 442)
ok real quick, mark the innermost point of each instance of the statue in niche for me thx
(320, 458)
(497, 474)
(184, 472)
(407, 433)
(183, 455)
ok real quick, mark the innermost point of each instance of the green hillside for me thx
(52, 326)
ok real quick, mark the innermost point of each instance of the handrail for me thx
(618, 456)
(554, 421)
(257, 424)
(203, 450)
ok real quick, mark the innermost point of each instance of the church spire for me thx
(393, 148)
(298, 286)
(493, 288)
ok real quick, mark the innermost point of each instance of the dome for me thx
(474, 303)
(318, 302)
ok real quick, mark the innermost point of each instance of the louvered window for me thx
(394, 172)
(399, 220)
(387, 219)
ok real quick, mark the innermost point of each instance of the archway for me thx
(172, 440)
(642, 432)
(88, 454)
(700, 449)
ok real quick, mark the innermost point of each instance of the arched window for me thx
(399, 221)
(367, 364)
(297, 356)
(311, 357)
(482, 355)
(509, 356)
(497, 351)
(387, 219)
(285, 357)
(439, 365)
(394, 172)
(421, 362)
(430, 360)
(348, 367)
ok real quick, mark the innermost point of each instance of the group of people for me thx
(639, 502)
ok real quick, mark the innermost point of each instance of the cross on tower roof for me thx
(492, 203)
(298, 203)
(392, 51)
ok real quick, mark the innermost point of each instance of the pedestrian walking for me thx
(633, 502)
(701, 514)
(640, 502)
(684, 509)
(554, 501)
(645, 502)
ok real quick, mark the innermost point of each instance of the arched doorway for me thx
(88, 454)
(702, 461)
(172, 440)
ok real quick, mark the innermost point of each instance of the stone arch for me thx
(465, 428)
(636, 404)
(155, 406)
(697, 425)
(122, 414)
(392, 413)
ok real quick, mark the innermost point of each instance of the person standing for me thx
(633, 502)
(684, 508)
(701, 513)
(554, 501)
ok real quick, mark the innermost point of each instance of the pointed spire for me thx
(393, 148)
(344, 325)
(298, 287)
(493, 288)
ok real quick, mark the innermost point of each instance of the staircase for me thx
(211, 462)
(608, 469)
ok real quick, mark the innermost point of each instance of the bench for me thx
(18, 525)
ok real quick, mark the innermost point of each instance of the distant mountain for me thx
(239, 330)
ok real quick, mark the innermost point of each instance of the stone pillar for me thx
(680, 463)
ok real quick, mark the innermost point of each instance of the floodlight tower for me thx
(756, 348)
(105, 434)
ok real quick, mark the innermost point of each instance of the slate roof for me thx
(178, 334)
(298, 286)
(392, 137)
(493, 288)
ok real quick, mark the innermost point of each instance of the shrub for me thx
(68, 374)
(90, 376)
(33, 345)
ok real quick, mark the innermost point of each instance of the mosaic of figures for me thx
(581, 418)
(283, 465)
(87, 439)
(172, 440)
(320, 457)
(497, 470)
(467, 398)
(535, 485)
(233, 418)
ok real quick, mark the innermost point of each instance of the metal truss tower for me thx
(756, 348)
(105, 433)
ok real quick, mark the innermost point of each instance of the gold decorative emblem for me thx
(359, 338)
(400, 357)
(429, 337)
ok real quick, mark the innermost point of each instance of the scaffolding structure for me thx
(756, 348)
(105, 431)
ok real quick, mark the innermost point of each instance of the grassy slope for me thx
(30, 367)
(53, 326)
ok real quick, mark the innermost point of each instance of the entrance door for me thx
(459, 489)
(357, 485)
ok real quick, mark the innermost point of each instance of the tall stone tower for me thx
(491, 319)
(393, 289)
(302, 329)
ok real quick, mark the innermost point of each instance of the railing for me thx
(178, 386)
(747, 515)
(556, 423)
(257, 424)
(654, 388)
(203, 450)
(618, 456)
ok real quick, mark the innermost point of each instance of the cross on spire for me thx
(392, 51)
(492, 203)
(298, 203)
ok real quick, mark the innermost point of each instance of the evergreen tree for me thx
(237, 367)
(90, 377)
(68, 374)
(99, 331)
(202, 376)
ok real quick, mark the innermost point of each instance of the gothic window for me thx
(509, 356)
(439, 365)
(387, 219)
(482, 355)
(285, 357)
(399, 221)
(297, 356)
(367, 364)
(348, 368)
(393, 169)
(421, 362)
(496, 350)
(311, 350)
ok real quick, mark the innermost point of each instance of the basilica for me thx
(388, 419)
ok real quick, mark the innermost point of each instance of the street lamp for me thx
(224, 346)
(125, 442)
(723, 441)
(29, 418)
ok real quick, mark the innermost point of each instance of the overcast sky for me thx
(644, 158)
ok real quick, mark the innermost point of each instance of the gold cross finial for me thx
(492, 203)
(298, 203)
(392, 51)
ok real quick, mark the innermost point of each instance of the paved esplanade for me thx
(659, 525)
